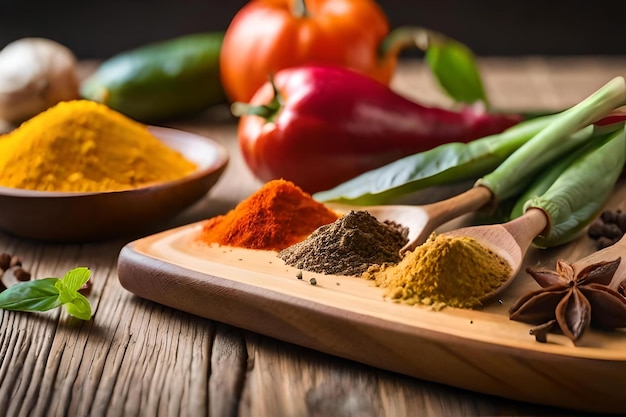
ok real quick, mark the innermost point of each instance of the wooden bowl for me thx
(91, 216)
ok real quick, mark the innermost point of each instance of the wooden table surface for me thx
(138, 358)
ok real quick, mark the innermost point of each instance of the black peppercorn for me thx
(608, 228)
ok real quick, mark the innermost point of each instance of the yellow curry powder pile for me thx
(82, 145)
(276, 216)
(444, 271)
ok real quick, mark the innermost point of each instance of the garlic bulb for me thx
(35, 74)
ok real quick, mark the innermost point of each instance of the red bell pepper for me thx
(319, 126)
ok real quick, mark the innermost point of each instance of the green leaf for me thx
(37, 295)
(75, 303)
(454, 66)
(75, 278)
(452, 63)
(65, 295)
(48, 293)
(79, 307)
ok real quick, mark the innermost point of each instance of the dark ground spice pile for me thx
(348, 246)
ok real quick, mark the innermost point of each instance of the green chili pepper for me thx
(576, 196)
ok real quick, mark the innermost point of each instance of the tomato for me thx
(268, 35)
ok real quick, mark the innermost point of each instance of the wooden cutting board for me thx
(479, 350)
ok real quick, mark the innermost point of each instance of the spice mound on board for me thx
(81, 145)
(276, 216)
(348, 246)
(444, 271)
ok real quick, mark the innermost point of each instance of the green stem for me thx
(267, 111)
(539, 185)
(512, 175)
(577, 195)
(406, 37)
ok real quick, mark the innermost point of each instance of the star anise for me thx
(566, 301)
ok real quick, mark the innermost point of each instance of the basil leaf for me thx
(76, 278)
(75, 303)
(79, 307)
(49, 293)
(36, 295)
(454, 66)
(69, 285)
(65, 295)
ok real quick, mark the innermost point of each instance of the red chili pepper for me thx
(617, 116)
(319, 126)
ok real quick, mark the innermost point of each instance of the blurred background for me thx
(99, 29)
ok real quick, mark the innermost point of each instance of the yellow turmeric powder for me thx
(81, 145)
(445, 270)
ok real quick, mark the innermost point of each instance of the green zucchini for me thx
(163, 80)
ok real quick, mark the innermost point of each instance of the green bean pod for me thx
(579, 193)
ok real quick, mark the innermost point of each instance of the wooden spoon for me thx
(610, 253)
(509, 240)
(424, 219)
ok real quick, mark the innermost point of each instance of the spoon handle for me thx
(527, 227)
(443, 211)
(609, 253)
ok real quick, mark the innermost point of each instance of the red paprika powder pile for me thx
(275, 217)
